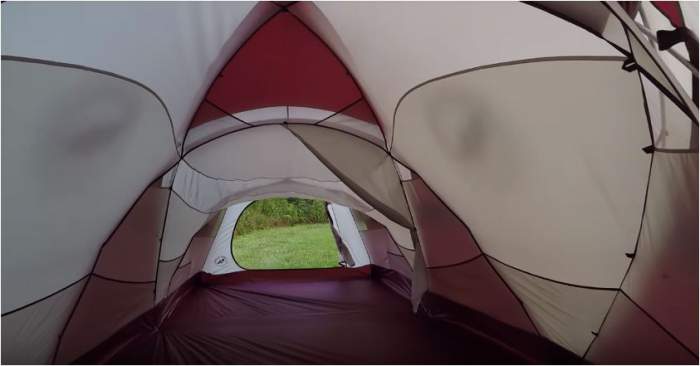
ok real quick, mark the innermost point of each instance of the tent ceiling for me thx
(176, 49)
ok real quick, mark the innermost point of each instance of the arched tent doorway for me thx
(339, 228)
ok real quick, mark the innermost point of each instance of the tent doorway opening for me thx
(286, 233)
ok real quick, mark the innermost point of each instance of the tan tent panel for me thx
(645, 341)
(665, 265)
(513, 165)
(31, 334)
(364, 167)
(136, 240)
(476, 284)
(568, 315)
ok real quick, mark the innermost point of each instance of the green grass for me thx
(299, 246)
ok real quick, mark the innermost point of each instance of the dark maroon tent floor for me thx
(302, 316)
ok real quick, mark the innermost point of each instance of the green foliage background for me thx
(277, 212)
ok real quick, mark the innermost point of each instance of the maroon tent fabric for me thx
(298, 316)
(283, 64)
(671, 10)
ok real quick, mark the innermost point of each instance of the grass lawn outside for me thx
(298, 246)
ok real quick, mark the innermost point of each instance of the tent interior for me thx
(506, 182)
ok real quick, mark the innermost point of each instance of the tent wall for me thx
(220, 258)
(81, 179)
(189, 42)
(518, 165)
(663, 276)
(382, 249)
(455, 267)
(222, 172)
(137, 287)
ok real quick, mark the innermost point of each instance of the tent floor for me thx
(299, 316)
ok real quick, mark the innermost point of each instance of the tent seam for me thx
(469, 231)
(671, 335)
(99, 253)
(105, 73)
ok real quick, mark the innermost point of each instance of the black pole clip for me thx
(669, 38)
(629, 65)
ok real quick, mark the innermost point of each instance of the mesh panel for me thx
(365, 168)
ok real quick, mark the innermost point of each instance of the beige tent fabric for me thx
(177, 49)
(672, 128)
(419, 281)
(211, 129)
(136, 241)
(219, 259)
(629, 336)
(653, 19)
(366, 168)
(365, 130)
(193, 260)
(79, 147)
(30, 335)
(663, 277)
(166, 271)
(476, 285)
(95, 319)
(181, 224)
(445, 239)
(206, 194)
(410, 256)
(645, 61)
(594, 15)
(567, 315)
(276, 152)
(529, 155)
(401, 235)
(646, 56)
